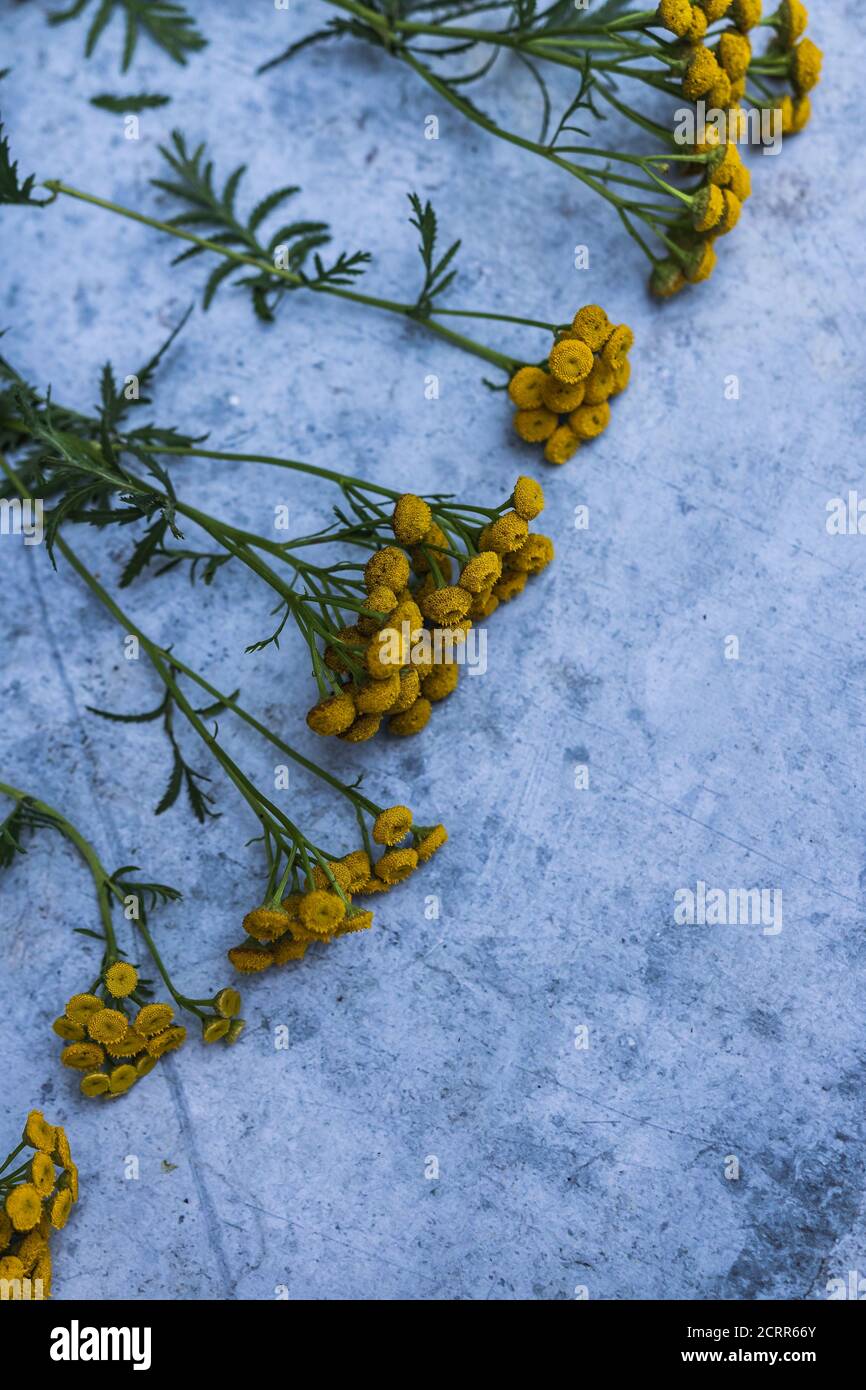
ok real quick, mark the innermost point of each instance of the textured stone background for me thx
(455, 1037)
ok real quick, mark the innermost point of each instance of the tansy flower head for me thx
(250, 960)
(510, 585)
(535, 425)
(790, 22)
(701, 74)
(82, 1056)
(96, 1084)
(228, 1003)
(741, 183)
(68, 1031)
(340, 874)
(365, 727)
(282, 952)
(735, 54)
(746, 14)
(701, 263)
(446, 605)
(170, 1040)
(618, 346)
(62, 1152)
(801, 114)
(267, 923)
(697, 26)
(212, 1029)
(121, 979)
(109, 1025)
(358, 864)
(392, 825)
(592, 326)
(562, 445)
(375, 697)
(60, 1209)
(570, 360)
(380, 602)
(321, 912)
(410, 683)
(725, 161)
(707, 207)
(24, 1206)
(667, 279)
(388, 566)
(599, 383)
(731, 213)
(123, 1078)
(719, 96)
(395, 865)
(129, 1046)
(675, 16)
(527, 499)
(480, 572)
(806, 66)
(590, 421)
(560, 398)
(526, 386)
(42, 1173)
(506, 533)
(69, 1179)
(38, 1133)
(152, 1019)
(433, 840)
(714, 9)
(332, 715)
(81, 1006)
(533, 556)
(411, 720)
(11, 1268)
(621, 377)
(411, 519)
(31, 1247)
(355, 921)
(144, 1066)
(441, 682)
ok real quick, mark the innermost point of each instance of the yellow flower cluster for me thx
(567, 403)
(36, 1206)
(111, 1049)
(280, 932)
(715, 211)
(405, 641)
(804, 65)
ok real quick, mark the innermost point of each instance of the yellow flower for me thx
(122, 1078)
(667, 279)
(267, 923)
(96, 1084)
(791, 19)
(214, 1028)
(358, 864)
(152, 1019)
(170, 1040)
(31, 1247)
(714, 9)
(590, 420)
(446, 606)
(741, 183)
(228, 1002)
(284, 951)
(746, 14)
(535, 425)
(332, 715)
(510, 585)
(70, 1179)
(82, 1056)
(525, 387)
(592, 326)
(480, 572)
(24, 1206)
(380, 602)
(410, 689)
(109, 1025)
(599, 384)
(144, 1066)
(533, 556)
(392, 825)
(250, 960)
(707, 207)
(719, 96)
(38, 1133)
(731, 214)
(68, 1031)
(42, 1173)
(321, 911)
(618, 346)
(724, 168)
(121, 979)
(506, 533)
(701, 74)
(355, 921)
(560, 398)
(697, 26)
(570, 360)
(341, 875)
(365, 727)
(702, 263)
(395, 865)
(433, 840)
(388, 566)
(561, 446)
(801, 114)
(527, 499)
(411, 519)
(387, 653)
(411, 720)
(621, 378)
(60, 1209)
(373, 885)
(735, 54)
(675, 16)
(806, 66)
(11, 1268)
(441, 682)
(62, 1152)
(81, 1006)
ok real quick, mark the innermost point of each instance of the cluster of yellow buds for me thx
(567, 403)
(35, 1201)
(114, 1049)
(714, 211)
(283, 930)
(402, 655)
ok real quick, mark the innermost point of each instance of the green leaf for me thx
(11, 189)
(167, 24)
(121, 106)
(175, 782)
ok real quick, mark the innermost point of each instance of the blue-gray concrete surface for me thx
(560, 1168)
